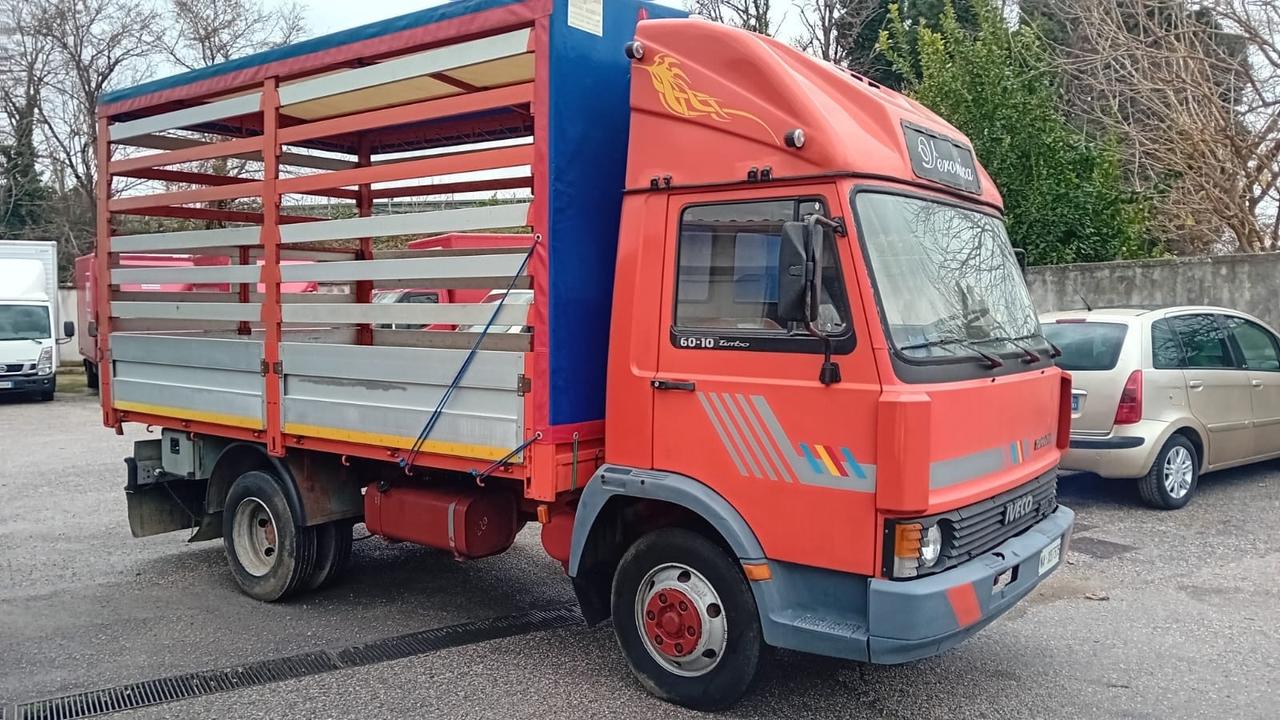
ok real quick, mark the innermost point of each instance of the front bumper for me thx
(893, 621)
(26, 383)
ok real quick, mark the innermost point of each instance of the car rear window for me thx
(1087, 345)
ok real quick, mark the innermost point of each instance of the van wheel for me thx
(1173, 477)
(270, 555)
(91, 375)
(333, 553)
(686, 620)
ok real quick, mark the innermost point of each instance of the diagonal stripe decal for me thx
(724, 440)
(807, 466)
(735, 436)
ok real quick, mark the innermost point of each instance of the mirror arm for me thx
(829, 374)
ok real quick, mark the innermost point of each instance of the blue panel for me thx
(590, 114)
(306, 47)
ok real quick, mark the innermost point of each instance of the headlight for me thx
(44, 365)
(915, 546)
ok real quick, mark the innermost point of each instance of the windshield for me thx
(948, 281)
(24, 322)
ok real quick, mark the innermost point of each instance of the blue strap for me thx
(407, 462)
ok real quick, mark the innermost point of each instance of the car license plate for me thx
(6, 384)
(1075, 403)
(1050, 556)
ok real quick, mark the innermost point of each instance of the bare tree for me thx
(830, 27)
(204, 33)
(753, 15)
(94, 45)
(1191, 94)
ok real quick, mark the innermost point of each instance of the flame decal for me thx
(678, 98)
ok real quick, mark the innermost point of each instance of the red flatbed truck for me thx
(783, 385)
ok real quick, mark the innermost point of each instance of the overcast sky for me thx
(326, 16)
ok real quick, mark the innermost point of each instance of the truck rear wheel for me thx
(686, 619)
(333, 552)
(270, 555)
(91, 375)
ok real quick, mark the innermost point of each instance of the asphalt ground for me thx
(1152, 615)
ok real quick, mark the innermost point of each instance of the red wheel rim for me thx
(672, 623)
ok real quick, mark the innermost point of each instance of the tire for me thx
(91, 375)
(269, 554)
(333, 553)
(1173, 477)
(721, 666)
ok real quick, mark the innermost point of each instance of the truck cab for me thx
(28, 319)
(818, 317)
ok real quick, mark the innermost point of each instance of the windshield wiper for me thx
(1028, 355)
(991, 360)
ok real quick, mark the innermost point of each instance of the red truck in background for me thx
(782, 382)
(444, 294)
(85, 294)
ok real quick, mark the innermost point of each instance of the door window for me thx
(1204, 342)
(1256, 344)
(727, 277)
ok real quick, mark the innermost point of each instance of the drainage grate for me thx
(207, 682)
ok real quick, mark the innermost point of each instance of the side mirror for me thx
(68, 329)
(1021, 256)
(796, 273)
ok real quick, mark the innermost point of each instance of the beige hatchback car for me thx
(1164, 395)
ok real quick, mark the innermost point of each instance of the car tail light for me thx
(1070, 320)
(1130, 409)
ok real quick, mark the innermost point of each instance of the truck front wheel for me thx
(686, 619)
(270, 555)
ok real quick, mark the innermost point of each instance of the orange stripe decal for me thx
(964, 603)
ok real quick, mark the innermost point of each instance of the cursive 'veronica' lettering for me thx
(930, 160)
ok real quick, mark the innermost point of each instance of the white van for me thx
(28, 317)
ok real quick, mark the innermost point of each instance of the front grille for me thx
(975, 529)
(10, 369)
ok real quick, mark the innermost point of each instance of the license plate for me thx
(6, 384)
(1050, 556)
(1075, 403)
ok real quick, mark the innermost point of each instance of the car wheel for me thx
(686, 620)
(1173, 477)
(270, 555)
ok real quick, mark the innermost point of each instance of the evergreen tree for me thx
(23, 195)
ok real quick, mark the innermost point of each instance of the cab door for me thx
(737, 400)
(1218, 391)
(1258, 353)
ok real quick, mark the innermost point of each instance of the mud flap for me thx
(160, 507)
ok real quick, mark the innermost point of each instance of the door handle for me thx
(1256, 383)
(1195, 384)
(685, 385)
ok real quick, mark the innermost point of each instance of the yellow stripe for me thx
(441, 447)
(822, 453)
(186, 414)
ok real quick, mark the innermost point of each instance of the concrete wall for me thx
(1250, 283)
